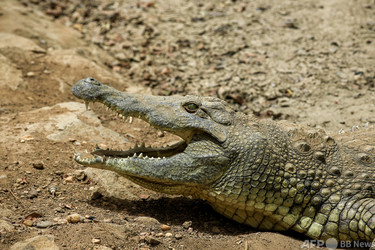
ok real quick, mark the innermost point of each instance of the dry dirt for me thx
(306, 61)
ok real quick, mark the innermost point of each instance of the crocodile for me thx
(270, 175)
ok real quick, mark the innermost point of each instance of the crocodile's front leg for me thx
(357, 221)
(349, 220)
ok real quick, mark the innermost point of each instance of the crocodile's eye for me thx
(191, 107)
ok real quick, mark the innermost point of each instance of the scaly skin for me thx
(271, 176)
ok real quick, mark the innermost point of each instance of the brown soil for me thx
(305, 61)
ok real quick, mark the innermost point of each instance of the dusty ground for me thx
(306, 61)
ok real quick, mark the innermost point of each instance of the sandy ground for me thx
(304, 61)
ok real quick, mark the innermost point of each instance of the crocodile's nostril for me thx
(93, 81)
(90, 79)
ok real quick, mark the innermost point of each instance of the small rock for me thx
(30, 74)
(80, 175)
(187, 224)
(284, 102)
(74, 218)
(159, 235)
(27, 138)
(215, 229)
(28, 223)
(38, 165)
(152, 240)
(32, 194)
(38, 242)
(69, 179)
(52, 190)
(165, 227)
(190, 230)
(44, 224)
(62, 221)
(96, 241)
(144, 196)
(178, 236)
(168, 235)
(147, 221)
(160, 133)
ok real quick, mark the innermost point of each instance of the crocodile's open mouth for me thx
(138, 152)
(143, 151)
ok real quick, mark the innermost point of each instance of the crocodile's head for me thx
(201, 158)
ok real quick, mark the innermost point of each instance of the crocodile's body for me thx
(271, 176)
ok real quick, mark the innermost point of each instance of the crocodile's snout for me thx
(87, 89)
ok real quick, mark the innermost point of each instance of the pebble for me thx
(168, 235)
(159, 235)
(69, 179)
(44, 224)
(144, 196)
(160, 133)
(284, 102)
(215, 230)
(152, 240)
(52, 190)
(32, 194)
(27, 138)
(80, 175)
(74, 218)
(62, 221)
(147, 221)
(96, 241)
(178, 236)
(28, 223)
(187, 224)
(38, 165)
(165, 227)
(107, 220)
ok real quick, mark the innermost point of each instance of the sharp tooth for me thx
(87, 105)
(131, 119)
(158, 158)
(163, 157)
(135, 155)
(141, 155)
(146, 157)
